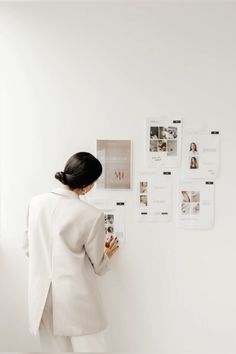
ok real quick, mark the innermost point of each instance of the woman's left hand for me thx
(111, 246)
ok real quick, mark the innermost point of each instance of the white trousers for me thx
(50, 343)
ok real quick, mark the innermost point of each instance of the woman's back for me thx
(65, 241)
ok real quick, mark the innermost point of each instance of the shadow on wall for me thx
(14, 332)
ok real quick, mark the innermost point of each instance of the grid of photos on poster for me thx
(164, 140)
(193, 155)
(143, 196)
(190, 202)
(109, 224)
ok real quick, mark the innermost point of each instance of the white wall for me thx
(74, 72)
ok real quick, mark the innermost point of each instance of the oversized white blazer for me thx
(65, 242)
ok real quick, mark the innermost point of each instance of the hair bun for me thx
(60, 176)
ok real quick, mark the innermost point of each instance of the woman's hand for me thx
(111, 246)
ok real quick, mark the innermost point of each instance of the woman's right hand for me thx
(111, 246)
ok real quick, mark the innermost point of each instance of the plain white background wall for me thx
(74, 72)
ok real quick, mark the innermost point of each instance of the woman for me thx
(193, 148)
(65, 241)
(193, 163)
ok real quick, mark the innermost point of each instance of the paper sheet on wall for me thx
(163, 142)
(201, 152)
(154, 196)
(115, 157)
(114, 216)
(196, 204)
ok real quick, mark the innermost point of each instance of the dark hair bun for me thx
(60, 176)
(81, 170)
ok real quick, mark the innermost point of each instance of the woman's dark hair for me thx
(81, 170)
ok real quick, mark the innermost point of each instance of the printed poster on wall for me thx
(196, 204)
(163, 142)
(201, 154)
(154, 196)
(115, 157)
(114, 217)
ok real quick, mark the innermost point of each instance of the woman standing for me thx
(65, 242)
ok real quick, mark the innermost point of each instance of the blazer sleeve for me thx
(94, 246)
(25, 243)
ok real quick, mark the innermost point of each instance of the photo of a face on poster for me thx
(193, 149)
(115, 157)
(193, 162)
(163, 141)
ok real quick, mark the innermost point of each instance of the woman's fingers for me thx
(110, 238)
(114, 250)
(115, 247)
(113, 242)
(108, 241)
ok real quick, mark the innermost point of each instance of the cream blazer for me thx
(64, 240)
